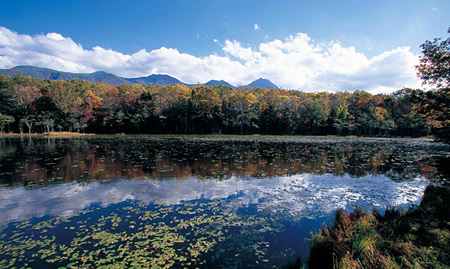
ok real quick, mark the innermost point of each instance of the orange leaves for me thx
(92, 100)
(129, 94)
(24, 95)
(202, 109)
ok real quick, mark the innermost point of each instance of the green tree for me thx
(342, 121)
(406, 113)
(47, 112)
(143, 111)
(318, 113)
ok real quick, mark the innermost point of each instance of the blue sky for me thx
(230, 35)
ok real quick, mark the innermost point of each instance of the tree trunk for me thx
(29, 125)
(21, 127)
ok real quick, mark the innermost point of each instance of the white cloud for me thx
(434, 9)
(296, 62)
(215, 40)
(256, 26)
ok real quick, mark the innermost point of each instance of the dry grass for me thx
(52, 134)
(65, 134)
(416, 238)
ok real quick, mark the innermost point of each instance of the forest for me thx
(30, 105)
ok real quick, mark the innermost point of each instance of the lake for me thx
(195, 201)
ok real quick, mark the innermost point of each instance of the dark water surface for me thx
(195, 201)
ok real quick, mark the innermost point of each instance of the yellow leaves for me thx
(381, 113)
(434, 123)
(250, 97)
(205, 99)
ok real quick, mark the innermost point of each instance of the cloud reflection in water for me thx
(295, 196)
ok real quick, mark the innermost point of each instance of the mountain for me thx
(218, 83)
(155, 79)
(100, 76)
(50, 74)
(262, 83)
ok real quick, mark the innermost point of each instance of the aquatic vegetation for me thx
(195, 201)
(137, 235)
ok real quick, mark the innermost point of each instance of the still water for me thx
(195, 201)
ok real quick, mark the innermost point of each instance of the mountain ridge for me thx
(102, 76)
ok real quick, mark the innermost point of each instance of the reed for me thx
(415, 238)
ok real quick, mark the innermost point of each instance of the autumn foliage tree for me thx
(434, 66)
(434, 70)
(33, 105)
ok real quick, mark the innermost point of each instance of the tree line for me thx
(33, 105)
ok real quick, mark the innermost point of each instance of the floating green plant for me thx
(138, 235)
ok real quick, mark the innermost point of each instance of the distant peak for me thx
(112, 79)
(214, 82)
(263, 83)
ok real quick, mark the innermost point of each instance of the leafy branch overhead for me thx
(434, 67)
(434, 70)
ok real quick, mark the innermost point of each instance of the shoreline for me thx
(64, 133)
(50, 134)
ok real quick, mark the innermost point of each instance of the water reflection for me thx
(296, 177)
(194, 201)
(38, 161)
(289, 197)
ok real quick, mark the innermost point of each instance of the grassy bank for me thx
(415, 238)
